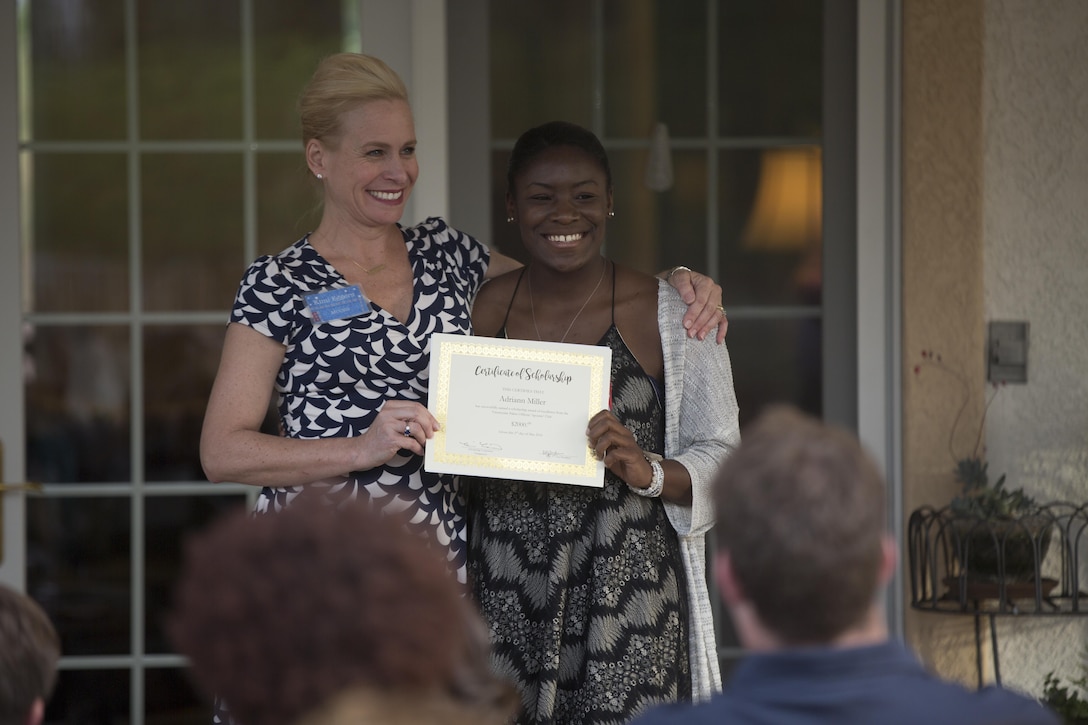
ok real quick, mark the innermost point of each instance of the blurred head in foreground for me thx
(803, 548)
(29, 650)
(282, 614)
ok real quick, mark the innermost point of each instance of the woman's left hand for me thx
(704, 299)
(615, 444)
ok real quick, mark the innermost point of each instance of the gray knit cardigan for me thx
(701, 429)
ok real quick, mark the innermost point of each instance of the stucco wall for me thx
(1035, 226)
(995, 227)
(942, 275)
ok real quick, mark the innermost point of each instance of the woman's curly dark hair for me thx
(279, 612)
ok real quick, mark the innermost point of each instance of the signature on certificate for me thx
(482, 447)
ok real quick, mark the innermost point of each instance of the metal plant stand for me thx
(988, 568)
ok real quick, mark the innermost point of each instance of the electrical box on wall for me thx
(1007, 352)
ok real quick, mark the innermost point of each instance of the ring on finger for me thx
(722, 310)
(408, 429)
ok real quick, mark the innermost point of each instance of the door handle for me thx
(6, 488)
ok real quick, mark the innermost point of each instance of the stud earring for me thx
(319, 177)
(509, 220)
(611, 214)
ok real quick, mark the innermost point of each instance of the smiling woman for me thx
(347, 369)
(347, 376)
(627, 591)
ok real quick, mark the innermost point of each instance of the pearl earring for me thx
(319, 177)
(509, 220)
(611, 214)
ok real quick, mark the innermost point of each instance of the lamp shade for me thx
(787, 214)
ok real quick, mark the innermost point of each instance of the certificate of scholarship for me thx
(516, 408)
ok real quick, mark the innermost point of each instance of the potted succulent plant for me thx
(1000, 534)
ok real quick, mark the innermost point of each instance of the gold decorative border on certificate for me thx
(440, 389)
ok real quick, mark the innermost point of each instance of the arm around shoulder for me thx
(500, 264)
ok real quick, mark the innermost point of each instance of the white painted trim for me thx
(469, 98)
(411, 38)
(879, 259)
(385, 28)
(12, 434)
(430, 80)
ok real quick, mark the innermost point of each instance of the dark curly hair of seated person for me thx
(280, 613)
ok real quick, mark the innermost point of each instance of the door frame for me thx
(12, 435)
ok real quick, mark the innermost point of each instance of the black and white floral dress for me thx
(583, 588)
(336, 375)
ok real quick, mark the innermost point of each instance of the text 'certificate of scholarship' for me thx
(516, 408)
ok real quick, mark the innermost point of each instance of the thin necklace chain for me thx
(532, 307)
(372, 270)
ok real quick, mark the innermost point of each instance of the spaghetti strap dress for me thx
(583, 588)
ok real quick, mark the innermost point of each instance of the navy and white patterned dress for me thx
(336, 376)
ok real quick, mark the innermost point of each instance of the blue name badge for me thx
(337, 304)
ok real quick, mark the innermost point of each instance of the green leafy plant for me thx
(1069, 698)
(981, 499)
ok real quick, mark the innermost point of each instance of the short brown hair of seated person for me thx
(282, 612)
(801, 511)
(29, 651)
(373, 707)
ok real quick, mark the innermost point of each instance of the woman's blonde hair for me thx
(342, 82)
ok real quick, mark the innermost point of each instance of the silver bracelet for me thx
(674, 270)
(657, 481)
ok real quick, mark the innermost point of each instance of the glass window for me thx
(542, 65)
(769, 236)
(776, 361)
(738, 86)
(79, 553)
(79, 236)
(192, 229)
(159, 155)
(655, 58)
(653, 230)
(289, 38)
(76, 81)
(744, 205)
(190, 69)
(77, 404)
(770, 68)
(174, 403)
(171, 698)
(169, 520)
(288, 202)
(85, 696)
